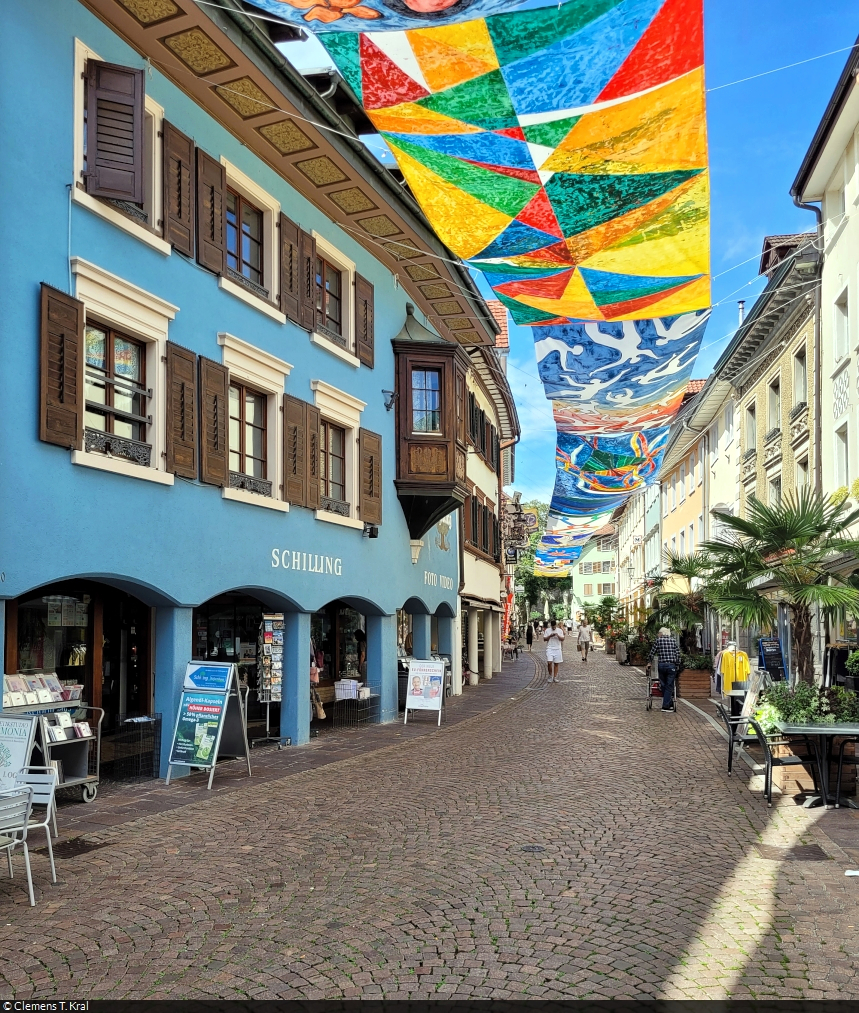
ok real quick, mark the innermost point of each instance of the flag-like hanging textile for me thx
(561, 150)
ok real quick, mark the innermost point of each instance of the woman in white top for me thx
(585, 638)
(554, 636)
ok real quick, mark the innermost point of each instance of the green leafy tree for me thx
(603, 614)
(782, 554)
(537, 587)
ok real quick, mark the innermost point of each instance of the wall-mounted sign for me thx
(438, 580)
(310, 562)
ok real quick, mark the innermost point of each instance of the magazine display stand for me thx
(270, 672)
(73, 747)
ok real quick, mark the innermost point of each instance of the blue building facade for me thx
(199, 391)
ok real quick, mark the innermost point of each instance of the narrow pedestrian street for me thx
(560, 842)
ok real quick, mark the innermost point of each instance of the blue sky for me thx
(759, 132)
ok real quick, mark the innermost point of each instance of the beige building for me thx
(770, 366)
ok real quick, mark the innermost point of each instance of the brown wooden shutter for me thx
(114, 131)
(364, 345)
(214, 446)
(290, 273)
(181, 411)
(312, 436)
(295, 451)
(466, 516)
(211, 191)
(370, 487)
(179, 173)
(307, 281)
(61, 402)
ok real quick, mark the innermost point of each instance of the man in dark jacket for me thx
(667, 653)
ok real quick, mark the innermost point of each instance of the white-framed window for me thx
(693, 460)
(334, 321)
(587, 568)
(664, 491)
(257, 381)
(751, 433)
(842, 458)
(605, 544)
(674, 545)
(588, 590)
(674, 491)
(683, 543)
(605, 589)
(714, 441)
(683, 483)
(700, 528)
(774, 490)
(841, 325)
(800, 377)
(729, 424)
(148, 232)
(118, 311)
(774, 404)
(802, 474)
(691, 539)
(339, 413)
(700, 469)
(252, 265)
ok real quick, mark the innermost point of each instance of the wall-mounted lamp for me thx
(390, 399)
(370, 530)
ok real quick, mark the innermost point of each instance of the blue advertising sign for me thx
(213, 676)
(198, 729)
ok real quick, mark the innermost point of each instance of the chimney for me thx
(741, 311)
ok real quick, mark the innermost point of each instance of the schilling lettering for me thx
(309, 561)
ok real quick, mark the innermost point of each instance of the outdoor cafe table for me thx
(822, 737)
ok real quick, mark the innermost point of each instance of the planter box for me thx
(798, 780)
(694, 683)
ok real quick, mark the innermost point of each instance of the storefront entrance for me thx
(227, 628)
(99, 637)
(338, 650)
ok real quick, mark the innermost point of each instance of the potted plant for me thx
(695, 670)
(638, 647)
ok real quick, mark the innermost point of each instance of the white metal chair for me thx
(43, 782)
(15, 810)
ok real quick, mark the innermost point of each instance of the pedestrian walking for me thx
(553, 635)
(585, 638)
(529, 635)
(667, 653)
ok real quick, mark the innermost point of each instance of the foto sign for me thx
(425, 687)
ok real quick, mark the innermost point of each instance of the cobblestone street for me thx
(557, 841)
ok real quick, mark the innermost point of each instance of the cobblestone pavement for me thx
(558, 842)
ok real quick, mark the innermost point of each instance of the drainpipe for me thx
(818, 420)
(818, 427)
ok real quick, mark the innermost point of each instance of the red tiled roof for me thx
(499, 311)
(694, 386)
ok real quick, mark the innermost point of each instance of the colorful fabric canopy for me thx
(561, 150)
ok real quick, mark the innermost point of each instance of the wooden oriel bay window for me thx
(115, 393)
(426, 401)
(248, 434)
(332, 464)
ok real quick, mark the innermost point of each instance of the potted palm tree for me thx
(782, 553)
(681, 607)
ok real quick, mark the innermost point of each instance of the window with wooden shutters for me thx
(475, 521)
(211, 189)
(290, 273)
(62, 376)
(214, 441)
(307, 280)
(295, 451)
(364, 340)
(181, 411)
(179, 189)
(313, 437)
(370, 478)
(466, 519)
(113, 137)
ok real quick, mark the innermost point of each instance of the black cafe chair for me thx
(854, 760)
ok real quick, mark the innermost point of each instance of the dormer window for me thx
(426, 401)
